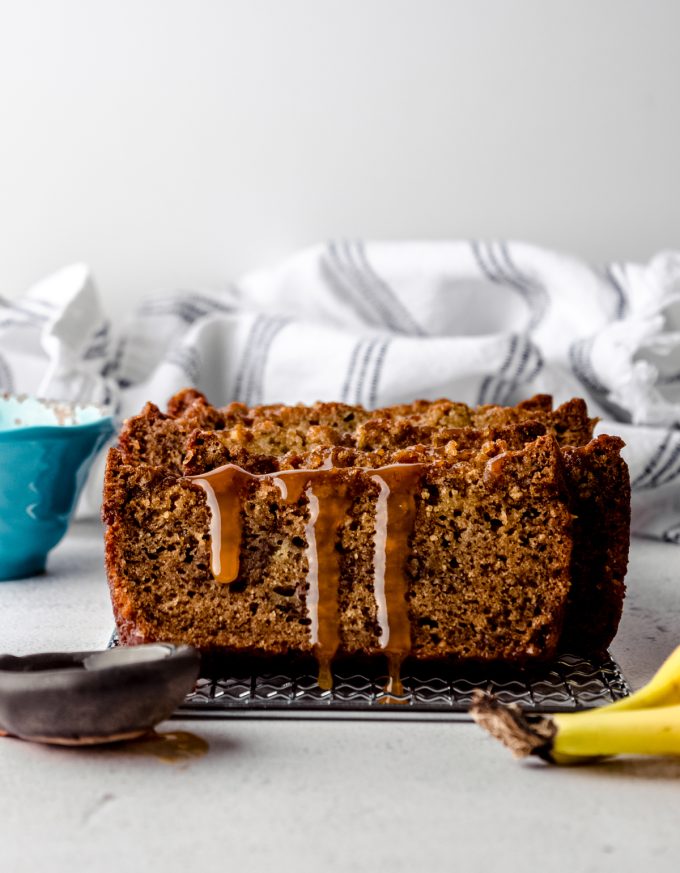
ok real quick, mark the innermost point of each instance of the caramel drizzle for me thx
(223, 488)
(329, 503)
(395, 517)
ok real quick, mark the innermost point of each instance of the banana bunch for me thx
(645, 723)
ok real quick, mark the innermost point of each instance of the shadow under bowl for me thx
(46, 452)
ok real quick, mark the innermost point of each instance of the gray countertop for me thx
(326, 796)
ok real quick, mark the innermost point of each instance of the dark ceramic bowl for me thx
(46, 451)
(84, 698)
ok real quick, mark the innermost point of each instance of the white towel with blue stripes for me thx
(380, 323)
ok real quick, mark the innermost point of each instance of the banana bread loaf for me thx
(428, 530)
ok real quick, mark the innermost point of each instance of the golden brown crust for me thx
(153, 437)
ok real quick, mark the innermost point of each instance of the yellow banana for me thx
(587, 735)
(580, 737)
(663, 689)
(645, 723)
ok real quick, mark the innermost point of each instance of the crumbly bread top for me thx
(249, 436)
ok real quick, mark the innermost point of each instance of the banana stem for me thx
(523, 734)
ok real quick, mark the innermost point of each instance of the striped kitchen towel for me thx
(382, 323)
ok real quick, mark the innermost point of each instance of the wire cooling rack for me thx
(436, 692)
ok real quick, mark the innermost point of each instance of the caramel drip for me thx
(329, 502)
(395, 517)
(223, 488)
(328, 506)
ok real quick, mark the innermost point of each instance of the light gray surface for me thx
(310, 796)
(171, 144)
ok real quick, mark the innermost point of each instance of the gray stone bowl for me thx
(85, 698)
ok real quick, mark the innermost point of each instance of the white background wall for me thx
(175, 143)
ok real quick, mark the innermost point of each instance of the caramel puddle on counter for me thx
(329, 503)
(171, 747)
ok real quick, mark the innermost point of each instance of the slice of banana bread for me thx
(411, 553)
